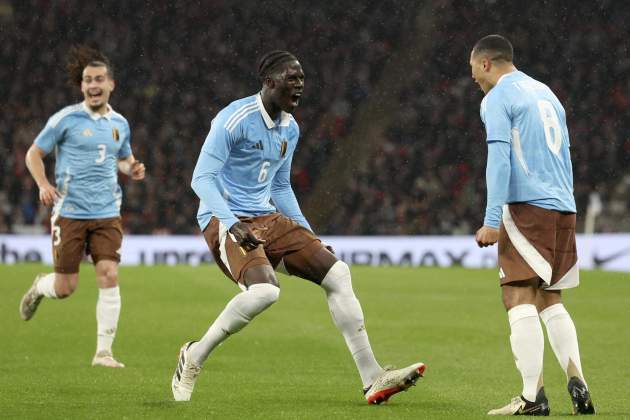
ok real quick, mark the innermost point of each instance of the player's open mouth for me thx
(95, 95)
(296, 97)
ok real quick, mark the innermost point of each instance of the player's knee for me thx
(108, 277)
(338, 279)
(266, 293)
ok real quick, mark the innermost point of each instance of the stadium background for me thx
(391, 140)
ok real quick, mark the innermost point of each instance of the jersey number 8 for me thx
(551, 123)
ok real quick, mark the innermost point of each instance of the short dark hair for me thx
(272, 62)
(496, 46)
(82, 56)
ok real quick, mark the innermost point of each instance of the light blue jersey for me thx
(528, 147)
(87, 147)
(245, 164)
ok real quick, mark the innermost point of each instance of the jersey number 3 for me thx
(101, 153)
(551, 123)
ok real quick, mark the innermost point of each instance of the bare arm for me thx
(132, 167)
(48, 194)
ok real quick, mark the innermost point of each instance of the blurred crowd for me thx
(428, 175)
(178, 64)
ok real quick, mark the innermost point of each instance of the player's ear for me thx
(270, 83)
(112, 83)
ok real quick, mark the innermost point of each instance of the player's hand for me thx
(137, 170)
(48, 195)
(487, 236)
(245, 236)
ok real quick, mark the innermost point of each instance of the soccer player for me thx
(91, 143)
(531, 213)
(253, 224)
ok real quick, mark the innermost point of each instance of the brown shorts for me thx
(536, 242)
(282, 235)
(74, 238)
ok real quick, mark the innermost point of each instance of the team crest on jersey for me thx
(87, 132)
(283, 148)
(115, 134)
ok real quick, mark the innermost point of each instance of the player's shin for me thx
(527, 342)
(236, 315)
(348, 317)
(107, 314)
(563, 339)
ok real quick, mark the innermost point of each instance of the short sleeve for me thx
(125, 148)
(220, 140)
(48, 138)
(496, 118)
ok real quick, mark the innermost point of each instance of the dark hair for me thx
(272, 61)
(496, 46)
(80, 57)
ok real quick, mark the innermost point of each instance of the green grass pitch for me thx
(291, 363)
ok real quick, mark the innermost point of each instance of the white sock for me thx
(528, 346)
(236, 315)
(563, 339)
(107, 314)
(46, 286)
(348, 317)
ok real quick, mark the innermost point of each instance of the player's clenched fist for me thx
(137, 170)
(487, 236)
(245, 236)
(48, 195)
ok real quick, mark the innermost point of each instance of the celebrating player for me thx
(91, 143)
(244, 166)
(531, 213)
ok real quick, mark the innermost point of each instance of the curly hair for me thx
(81, 56)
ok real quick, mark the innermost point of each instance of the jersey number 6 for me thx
(264, 171)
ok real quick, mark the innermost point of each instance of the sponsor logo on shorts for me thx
(501, 273)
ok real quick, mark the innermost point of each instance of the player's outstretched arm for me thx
(48, 194)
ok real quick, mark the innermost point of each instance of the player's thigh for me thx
(547, 298)
(68, 244)
(311, 263)
(233, 260)
(104, 239)
(520, 292)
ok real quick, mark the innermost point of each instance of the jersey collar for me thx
(95, 115)
(285, 117)
(506, 74)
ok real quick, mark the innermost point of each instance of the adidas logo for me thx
(258, 145)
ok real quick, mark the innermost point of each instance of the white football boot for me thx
(185, 375)
(30, 301)
(106, 358)
(391, 382)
